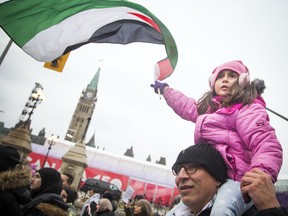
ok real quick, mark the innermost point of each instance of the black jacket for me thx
(14, 190)
(48, 204)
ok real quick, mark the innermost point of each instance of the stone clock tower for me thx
(83, 113)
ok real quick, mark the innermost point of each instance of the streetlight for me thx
(52, 140)
(35, 98)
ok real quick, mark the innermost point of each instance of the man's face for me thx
(64, 181)
(196, 189)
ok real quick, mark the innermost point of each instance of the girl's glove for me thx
(159, 87)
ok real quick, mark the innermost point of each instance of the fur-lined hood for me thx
(15, 178)
(49, 204)
(51, 210)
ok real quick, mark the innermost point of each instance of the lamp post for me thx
(35, 98)
(52, 140)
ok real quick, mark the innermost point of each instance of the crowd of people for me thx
(229, 170)
(199, 173)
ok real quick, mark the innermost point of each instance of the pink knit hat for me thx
(236, 66)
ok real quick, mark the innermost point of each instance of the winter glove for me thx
(159, 87)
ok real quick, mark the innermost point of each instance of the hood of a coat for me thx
(15, 178)
(51, 210)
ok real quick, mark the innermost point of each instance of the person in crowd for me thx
(109, 196)
(67, 179)
(14, 181)
(46, 187)
(175, 201)
(142, 208)
(232, 117)
(104, 208)
(69, 196)
(129, 207)
(199, 173)
(89, 206)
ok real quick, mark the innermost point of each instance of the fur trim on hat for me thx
(259, 85)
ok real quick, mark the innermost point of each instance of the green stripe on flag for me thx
(38, 15)
(23, 19)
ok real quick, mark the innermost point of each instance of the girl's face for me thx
(224, 81)
(36, 181)
(137, 209)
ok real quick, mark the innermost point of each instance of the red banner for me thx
(154, 193)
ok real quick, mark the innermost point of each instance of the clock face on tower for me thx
(89, 94)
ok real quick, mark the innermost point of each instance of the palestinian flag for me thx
(48, 29)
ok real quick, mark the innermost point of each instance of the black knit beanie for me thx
(9, 157)
(205, 156)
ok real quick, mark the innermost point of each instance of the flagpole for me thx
(5, 51)
(281, 116)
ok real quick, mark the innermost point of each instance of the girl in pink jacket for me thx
(231, 117)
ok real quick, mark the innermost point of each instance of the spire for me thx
(93, 85)
(162, 161)
(91, 142)
(129, 152)
(148, 158)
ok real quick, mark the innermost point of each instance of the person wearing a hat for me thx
(201, 172)
(46, 187)
(14, 181)
(232, 117)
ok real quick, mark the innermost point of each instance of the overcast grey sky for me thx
(128, 113)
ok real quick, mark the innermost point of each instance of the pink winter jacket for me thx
(243, 136)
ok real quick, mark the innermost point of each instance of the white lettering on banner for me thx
(114, 181)
(105, 178)
(117, 182)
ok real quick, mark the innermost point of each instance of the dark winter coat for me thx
(48, 204)
(46, 200)
(14, 190)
